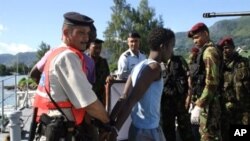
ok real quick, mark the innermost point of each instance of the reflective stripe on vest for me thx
(42, 100)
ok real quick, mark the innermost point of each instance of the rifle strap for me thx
(56, 105)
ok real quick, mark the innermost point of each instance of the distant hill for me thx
(27, 58)
(238, 28)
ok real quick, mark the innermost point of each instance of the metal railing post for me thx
(14, 125)
(2, 128)
(16, 87)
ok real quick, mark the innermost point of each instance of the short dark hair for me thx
(97, 41)
(159, 36)
(134, 34)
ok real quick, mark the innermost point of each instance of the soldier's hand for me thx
(191, 107)
(195, 115)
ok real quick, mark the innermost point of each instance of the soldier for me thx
(101, 68)
(206, 80)
(173, 99)
(131, 57)
(236, 91)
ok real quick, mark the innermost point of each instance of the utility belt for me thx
(198, 84)
(57, 128)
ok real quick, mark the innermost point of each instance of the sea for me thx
(8, 96)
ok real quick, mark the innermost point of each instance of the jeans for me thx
(137, 134)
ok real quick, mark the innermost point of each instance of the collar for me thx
(132, 53)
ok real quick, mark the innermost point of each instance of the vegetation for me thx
(238, 29)
(29, 83)
(22, 68)
(43, 48)
(125, 19)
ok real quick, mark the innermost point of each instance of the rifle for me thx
(225, 14)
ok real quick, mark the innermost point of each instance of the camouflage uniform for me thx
(206, 79)
(102, 71)
(173, 100)
(236, 94)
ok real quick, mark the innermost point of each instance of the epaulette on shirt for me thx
(142, 52)
(127, 54)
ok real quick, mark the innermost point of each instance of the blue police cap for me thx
(134, 34)
(77, 19)
(98, 41)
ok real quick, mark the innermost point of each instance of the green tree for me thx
(43, 49)
(144, 21)
(22, 68)
(118, 28)
(125, 19)
(2, 69)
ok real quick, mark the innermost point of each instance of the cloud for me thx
(2, 28)
(14, 48)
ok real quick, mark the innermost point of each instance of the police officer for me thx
(236, 91)
(64, 80)
(130, 57)
(206, 80)
(173, 99)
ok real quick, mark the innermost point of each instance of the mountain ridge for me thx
(27, 58)
(238, 28)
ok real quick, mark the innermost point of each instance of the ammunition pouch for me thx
(198, 86)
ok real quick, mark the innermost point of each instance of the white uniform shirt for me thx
(126, 63)
(68, 82)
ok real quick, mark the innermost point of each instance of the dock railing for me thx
(22, 99)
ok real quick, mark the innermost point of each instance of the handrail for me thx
(8, 78)
(6, 98)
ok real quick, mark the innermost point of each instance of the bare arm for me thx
(35, 74)
(120, 103)
(97, 110)
(148, 75)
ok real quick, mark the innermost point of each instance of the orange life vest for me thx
(42, 100)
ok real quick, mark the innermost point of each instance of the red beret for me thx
(226, 41)
(194, 50)
(197, 28)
